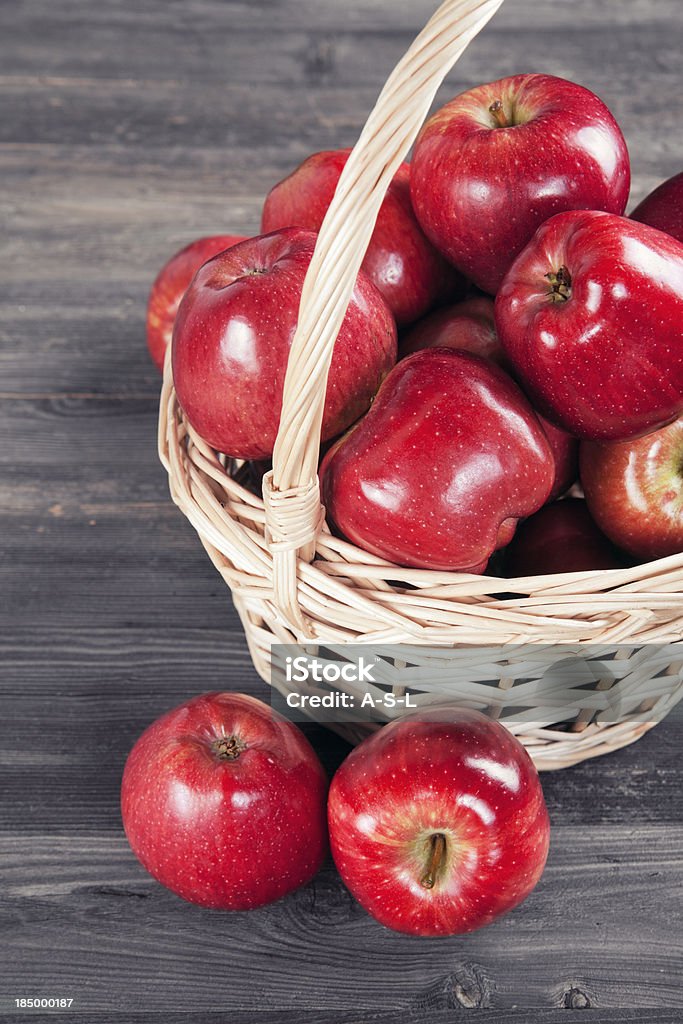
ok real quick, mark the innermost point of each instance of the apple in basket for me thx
(469, 327)
(443, 465)
(223, 802)
(170, 285)
(663, 208)
(409, 272)
(438, 823)
(560, 538)
(497, 161)
(591, 317)
(232, 338)
(635, 491)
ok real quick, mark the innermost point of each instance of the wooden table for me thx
(127, 129)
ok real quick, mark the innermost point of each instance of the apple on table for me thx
(224, 802)
(438, 823)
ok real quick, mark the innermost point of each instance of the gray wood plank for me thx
(86, 919)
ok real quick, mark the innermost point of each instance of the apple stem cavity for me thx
(496, 109)
(437, 856)
(560, 285)
(228, 748)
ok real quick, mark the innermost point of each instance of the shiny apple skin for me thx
(469, 327)
(560, 538)
(232, 338)
(409, 272)
(565, 449)
(480, 191)
(607, 363)
(437, 473)
(663, 208)
(228, 834)
(634, 490)
(170, 285)
(446, 771)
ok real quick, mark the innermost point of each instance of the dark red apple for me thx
(170, 285)
(565, 449)
(223, 802)
(443, 465)
(469, 327)
(635, 491)
(232, 338)
(411, 275)
(438, 823)
(499, 160)
(560, 538)
(663, 208)
(590, 315)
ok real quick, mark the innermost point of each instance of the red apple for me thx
(565, 449)
(663, 208)
(406, 268)
(496, 162)
(171, 284)
(635, 491)
(438, 823)
(443, 465)
(223, 802)
(232, 337)
(560, 538)
(590, 317)
(469, 327)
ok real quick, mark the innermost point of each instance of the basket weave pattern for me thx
(293, 581)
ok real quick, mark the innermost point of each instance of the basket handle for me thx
(291, 491)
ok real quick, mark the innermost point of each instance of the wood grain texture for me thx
(127, 130)
(88, 909)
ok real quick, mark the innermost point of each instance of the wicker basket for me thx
(293, 582)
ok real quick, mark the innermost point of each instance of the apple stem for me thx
(499, 117)
(437, 852)
(228, 748)
(560, 285)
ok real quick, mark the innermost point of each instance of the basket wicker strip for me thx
(293, 581)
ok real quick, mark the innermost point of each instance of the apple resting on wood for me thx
(560, 538)
(438, 823)
(443, 465)
(411, 275)
(170, 285)
(496, 162)
(223, 802)
(469, 327)
(232, 338)
(663, 208)
(635, 491)
(591, 317)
